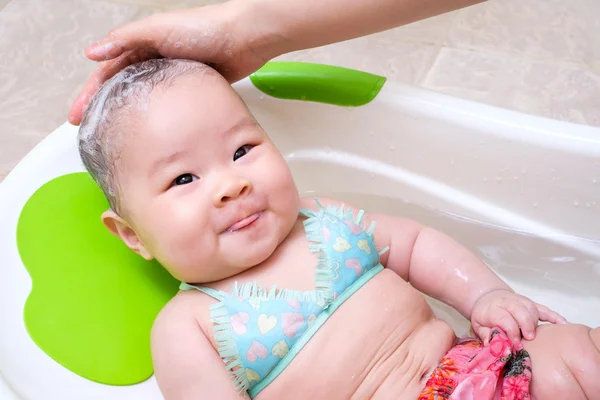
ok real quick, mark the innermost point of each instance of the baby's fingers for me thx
(483, 333)
(508, 323)
(526, 318)
(548, 315)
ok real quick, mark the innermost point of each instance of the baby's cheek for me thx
(280, 177)
(179, 237)
(185, 254)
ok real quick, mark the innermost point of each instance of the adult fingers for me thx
(101, 74)
(135, 35)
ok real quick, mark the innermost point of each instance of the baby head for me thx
(191, 178)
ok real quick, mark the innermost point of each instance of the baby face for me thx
(204, 190)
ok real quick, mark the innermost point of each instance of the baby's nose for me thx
(231, 188)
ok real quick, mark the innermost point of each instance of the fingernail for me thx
(100, 50)
(71, 117)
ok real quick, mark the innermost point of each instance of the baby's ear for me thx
(121, 229)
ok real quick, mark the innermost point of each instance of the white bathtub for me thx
(521, 191)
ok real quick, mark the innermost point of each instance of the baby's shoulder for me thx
(187, 310)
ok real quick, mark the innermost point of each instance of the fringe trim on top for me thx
(314, 233)
(252, 291)
(226, 346)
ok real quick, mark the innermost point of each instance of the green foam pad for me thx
(93, 300)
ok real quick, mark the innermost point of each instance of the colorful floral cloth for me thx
(471, 371)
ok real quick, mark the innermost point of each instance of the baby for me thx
(290, 298)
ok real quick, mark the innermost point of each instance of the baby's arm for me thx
(437, 265)
(431, 261)
(442, 268)
(185, 362)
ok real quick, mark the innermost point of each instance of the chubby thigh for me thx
(382, 343)
(566, 362)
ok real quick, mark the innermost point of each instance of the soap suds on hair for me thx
(107, 116)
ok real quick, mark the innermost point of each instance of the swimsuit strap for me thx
(215, 294)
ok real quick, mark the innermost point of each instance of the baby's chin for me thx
(244, 260)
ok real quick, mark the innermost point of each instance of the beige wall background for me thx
(536, 56)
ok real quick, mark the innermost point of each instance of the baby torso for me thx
(380, 341)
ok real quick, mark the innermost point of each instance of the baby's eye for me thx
(242, 151)
(184, 179)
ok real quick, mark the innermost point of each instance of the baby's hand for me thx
(512, 313)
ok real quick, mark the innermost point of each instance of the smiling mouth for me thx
(244, 223)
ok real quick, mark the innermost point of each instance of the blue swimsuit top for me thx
(259, 331)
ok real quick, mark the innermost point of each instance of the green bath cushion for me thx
(93, 301)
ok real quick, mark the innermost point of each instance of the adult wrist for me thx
(259, 27)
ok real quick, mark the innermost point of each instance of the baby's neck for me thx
(272, 271)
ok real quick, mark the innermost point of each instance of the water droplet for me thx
(177, 45)
(392, 148)
(498, 179)
(451, 162)
(516, 177)
(441, 260)
(554, 178)
(371, 133)
(587, 204)
(594, 180)
(576, 203)
(193, 41)
(593, 203)
(523, 171)
(262, 97)
(485, 179)
(535, 204)
(372, 175)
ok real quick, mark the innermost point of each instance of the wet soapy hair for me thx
(109, 116)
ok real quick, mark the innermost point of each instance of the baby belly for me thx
(382, 343)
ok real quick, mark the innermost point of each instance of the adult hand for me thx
(211, 34)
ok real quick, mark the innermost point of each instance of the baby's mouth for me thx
(243, 223)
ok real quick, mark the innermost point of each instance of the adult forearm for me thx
(289, 25)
